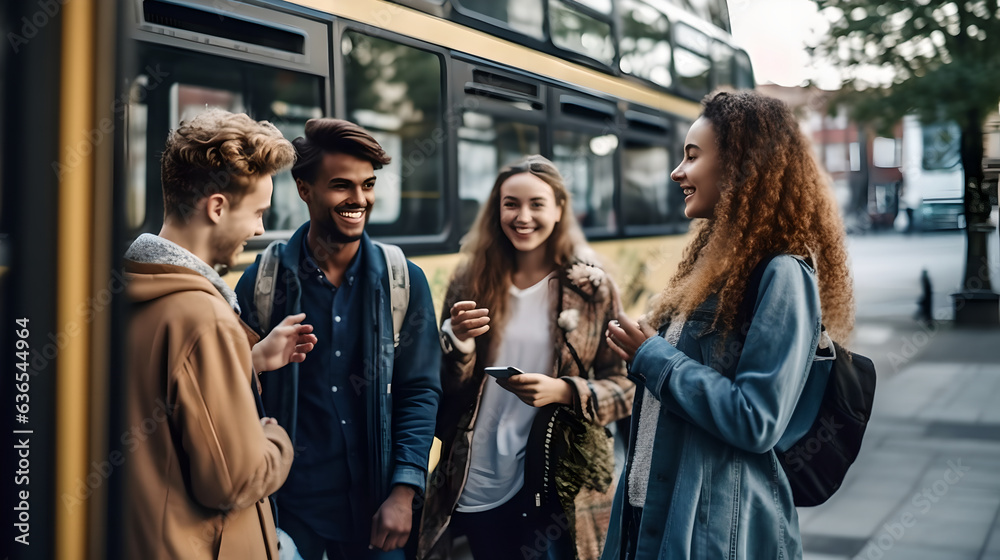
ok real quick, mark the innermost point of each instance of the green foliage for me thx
(942, 56)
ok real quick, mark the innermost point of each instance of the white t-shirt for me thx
(500, 436)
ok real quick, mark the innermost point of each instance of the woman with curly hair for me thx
(526, 461)
(721, 392)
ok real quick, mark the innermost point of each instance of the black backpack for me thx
(817, 463)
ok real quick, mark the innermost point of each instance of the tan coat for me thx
(199, 466)
(601, 394)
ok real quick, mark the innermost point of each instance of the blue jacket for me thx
(401, 386)
(715, 488)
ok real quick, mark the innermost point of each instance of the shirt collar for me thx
(309, 264)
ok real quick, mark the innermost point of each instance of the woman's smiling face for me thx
(528, 211)
(698, 173)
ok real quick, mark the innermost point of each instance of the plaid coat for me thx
(584, 300)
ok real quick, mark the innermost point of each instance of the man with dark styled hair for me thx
(197, 481)
(360, 410)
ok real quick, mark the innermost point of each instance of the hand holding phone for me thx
(503, 372)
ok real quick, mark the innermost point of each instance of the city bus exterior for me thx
(453, 95)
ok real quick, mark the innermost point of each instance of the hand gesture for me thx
(392, 522)
(467, 321)
(537, 390)
(625, 336)
(286, 343)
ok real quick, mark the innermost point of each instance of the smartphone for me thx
(503, 372)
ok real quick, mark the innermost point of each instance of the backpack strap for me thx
(744, 315)
(399, 286)
(265, 282)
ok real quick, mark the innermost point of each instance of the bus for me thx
(453, 89)
(933, 176)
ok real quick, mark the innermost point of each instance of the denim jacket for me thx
(715, 488)
(401, 386)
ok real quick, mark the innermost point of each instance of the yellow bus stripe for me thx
(409, 22)
(76, 166)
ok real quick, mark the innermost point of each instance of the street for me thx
(927, 482)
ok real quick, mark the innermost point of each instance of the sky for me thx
(775, 34)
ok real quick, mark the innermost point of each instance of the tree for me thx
(942, 61)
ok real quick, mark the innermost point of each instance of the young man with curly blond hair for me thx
(200, 468)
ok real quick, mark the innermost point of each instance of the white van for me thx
(932, 175)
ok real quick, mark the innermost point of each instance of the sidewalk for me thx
(927, 482)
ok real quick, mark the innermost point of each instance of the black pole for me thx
(976, 304)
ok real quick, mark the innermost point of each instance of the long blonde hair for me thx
(775, 200)
(490, 258)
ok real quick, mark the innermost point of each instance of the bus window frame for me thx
(714, 71)
(678, 86)
(668, 38)
(460, 78)
(675, 223)
(284, 16)
(462, 68)
(413, 244)
(741, 62)
(159, 125)
(612, 19)
(157, 99)
(474, 20)
(561, 121)
(471, 18)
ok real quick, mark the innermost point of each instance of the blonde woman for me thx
(518, 449)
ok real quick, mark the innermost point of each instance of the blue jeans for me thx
(516, 530)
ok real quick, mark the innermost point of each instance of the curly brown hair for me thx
(775, 200)
(490, 258)
(213, 153)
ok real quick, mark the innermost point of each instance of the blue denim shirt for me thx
(330, 467)
(715, 488)
(398, 388)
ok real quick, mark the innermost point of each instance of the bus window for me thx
(691, 62)
(715, 12)
(586, 161)
(288, 211)
(394, 91)
(744, 71)
(187, 83)
(575, 31)
(523, 16)
(645, 44)
(485, 144)
(645, 185)
(188, 101)
(287, 101)
(722, 64)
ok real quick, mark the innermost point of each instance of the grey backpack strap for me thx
(264, 284)
(399, 286)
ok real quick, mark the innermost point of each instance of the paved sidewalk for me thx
(927, 482)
